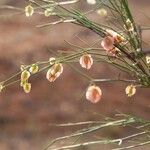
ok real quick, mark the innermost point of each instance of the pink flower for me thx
(93, 94)
(86, 61)
(108, 43)
(54, 72)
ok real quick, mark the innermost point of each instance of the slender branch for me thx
(133, 146)
(119, 140)
(115, 80)
(95, 128)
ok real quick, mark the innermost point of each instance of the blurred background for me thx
(25, 118)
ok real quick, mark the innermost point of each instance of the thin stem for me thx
(120, 140)
(115, 80)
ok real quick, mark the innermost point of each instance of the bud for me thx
(108, 43)
(54, 72)
(22, 67)
(25, 75)
(29, 10)
(130, 90)
(27, 87)
(52, 60)
(86, 61)
(129, 26)
(1, 87)
(93, 94)
(117, 37)
(91, 2)
(34, 68)
(148, 59)
(48, 11)
(102, 12)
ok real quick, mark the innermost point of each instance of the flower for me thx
(130, 90)
(86, 61)
(29, 10)
(34, 68)
(117, 37)
(93, 94)
(91, 2)
(102, 12)
(108, 43)
(148, 59)
(27, 87)
(54, 72)
(25, 75)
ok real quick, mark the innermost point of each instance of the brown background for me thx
(25, 118)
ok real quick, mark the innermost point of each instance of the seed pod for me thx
(93, 94)
(86, 61)
(34, 68)
(27, 87)
(57, 68)
(130, 90)
(22, 83)
(108, 43)
(29, 10)
(54, 72)
(25, 75)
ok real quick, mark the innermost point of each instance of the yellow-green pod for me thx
(25, 75)
(34, 69)
(27, 87)
(29, 10)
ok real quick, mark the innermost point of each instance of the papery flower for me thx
(25, 75)
(129, 26)
(102, 12)
(86, 61)
(148, 59)
(92, 2)
(54, 72)
(27, 87)
(34, 68)
(108, 43)
(93, 94)
(29, 10)
(130, 90)
(117, 37)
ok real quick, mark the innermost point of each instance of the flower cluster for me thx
(24, 81)
(25, 75)
(112, 38)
